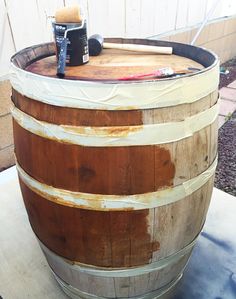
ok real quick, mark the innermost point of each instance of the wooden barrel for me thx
(116, 175)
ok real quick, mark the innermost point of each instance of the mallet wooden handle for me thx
(139, 48)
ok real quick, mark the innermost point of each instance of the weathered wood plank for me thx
(87, 117)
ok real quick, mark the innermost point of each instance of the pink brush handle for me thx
(158, 73)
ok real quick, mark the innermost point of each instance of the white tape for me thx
(118, 136)
(116, 96)
(117, 202)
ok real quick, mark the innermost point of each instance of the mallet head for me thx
(95, 44)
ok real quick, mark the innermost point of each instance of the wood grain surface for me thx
(113, 170)
(98, 170)
(113, 64)
(90, 117)
(117, 238)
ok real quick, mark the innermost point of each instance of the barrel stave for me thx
(99, 238)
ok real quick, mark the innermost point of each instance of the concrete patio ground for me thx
(227, 102)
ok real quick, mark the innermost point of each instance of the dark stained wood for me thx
(98, 170)
(117, 238)
(90, 117)
(113, 64)
(164, 166)
(107, 239)
(76, 117)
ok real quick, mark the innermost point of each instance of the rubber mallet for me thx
(96, 44)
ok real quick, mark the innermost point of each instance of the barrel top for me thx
(112, 64)
(96, 85)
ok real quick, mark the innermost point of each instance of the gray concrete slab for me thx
(24, 273)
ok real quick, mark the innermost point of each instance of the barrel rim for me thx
(207, 58)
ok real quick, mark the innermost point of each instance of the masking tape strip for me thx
(115, 96)
(117, 202)
(53, 258)
(75, 293)
(118, 135)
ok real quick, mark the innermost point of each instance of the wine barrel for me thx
(116, 176)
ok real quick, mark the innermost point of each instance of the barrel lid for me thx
(115, 64)
(111, 64)
(95, 85)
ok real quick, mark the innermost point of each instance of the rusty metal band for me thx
(117, 202)
(60, 262)
(152, 134)
(75, 293)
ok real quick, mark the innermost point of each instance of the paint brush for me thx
(159, 73)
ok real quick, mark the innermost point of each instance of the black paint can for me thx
(77, 42)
